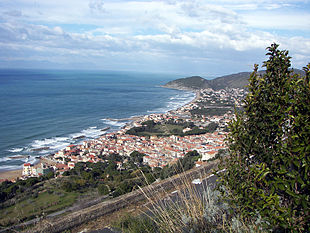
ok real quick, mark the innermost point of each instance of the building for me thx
(27, 169)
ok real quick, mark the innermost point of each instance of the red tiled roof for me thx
(60, 165)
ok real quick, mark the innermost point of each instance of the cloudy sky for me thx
(203, 37)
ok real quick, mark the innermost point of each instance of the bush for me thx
(129, 224)
(267, 172)
(103, 189)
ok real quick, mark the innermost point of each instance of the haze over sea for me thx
(44, 108)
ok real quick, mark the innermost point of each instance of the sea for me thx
(51, 109)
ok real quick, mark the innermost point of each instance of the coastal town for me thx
(158, 151)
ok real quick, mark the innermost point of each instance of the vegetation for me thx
(107, 177)
(38, 204)
(265, 184)
(197, 208)
(238, 80)
(182, 165)
(37, 197)
(171, 128)
(140, 224)
(193, 83)
(209, 111)
(267, 172)
(9, 189)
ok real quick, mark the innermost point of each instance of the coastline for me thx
(14, 174)
(10, 175)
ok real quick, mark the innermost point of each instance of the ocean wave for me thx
(15, 150)
(5, 159)
(159, 110)
(10, 167)
(76, 135)
(175, 102)
(91, 132)
(19, 159)
(48, 142)
(113, 123)
(31, 160)
(54, 144)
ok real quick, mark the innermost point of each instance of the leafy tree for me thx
(150, 178)
(136, 157)
(49, 175)
(115, 157)
(149, 124)
(103, 189)
(67, 186)
(212, 127)
(181, 165)
(31, 181)
(267, 172)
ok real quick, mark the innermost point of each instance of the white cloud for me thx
(96, 5)
(278, 20)
(191, 32)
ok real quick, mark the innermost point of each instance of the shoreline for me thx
(14, 174)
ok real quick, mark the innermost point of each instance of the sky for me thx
(193, 37)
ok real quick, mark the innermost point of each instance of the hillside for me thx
(189, 83)
(238, 80)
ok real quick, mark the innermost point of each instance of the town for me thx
(158, 151)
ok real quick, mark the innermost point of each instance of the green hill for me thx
(190, 83)
(238, 80)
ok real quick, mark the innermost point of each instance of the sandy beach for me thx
(9, 175)
(14, 174)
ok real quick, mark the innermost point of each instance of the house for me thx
(208, 155)
(186, 130)
(61, 168)
(71, 165)
(70, 147)
(199, 163)
(27, 169)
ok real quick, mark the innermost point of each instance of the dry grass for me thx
(174, 212)
(195, 208)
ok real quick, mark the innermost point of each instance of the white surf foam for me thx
(113, 123)
(48, 142)
(175, 102)
(31, 160)
(15, 150)
(76, 135)
(5, 159)
(92, 132)
(55, 144)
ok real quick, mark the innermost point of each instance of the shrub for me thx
(103, 189)
(267, 172)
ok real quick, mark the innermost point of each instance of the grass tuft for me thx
(195, 208)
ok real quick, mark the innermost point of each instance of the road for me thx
(173, 197)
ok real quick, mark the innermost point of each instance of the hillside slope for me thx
(189, 83)
(194, 83)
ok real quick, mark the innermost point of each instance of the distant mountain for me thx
(194, 83)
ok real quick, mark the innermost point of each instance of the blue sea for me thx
(44, 108)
